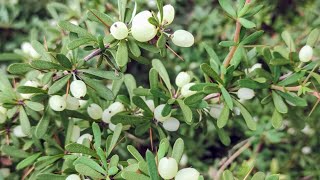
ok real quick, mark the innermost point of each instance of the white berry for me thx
(84, 136)
(185, 90)
(17, 131)
(245, 93)
(78, 89)
(141, 29)
(182, 38)
(168, 167)
(29, 50)
(306, 53)
(119, 30)
(182, 79)
(187, 173)
(73, 177)
(158, 113)
(150, 104)
(216, 110)
(113, 109)
(168, 14)
(72, 102)
(112, 127)
(171, 124)
(95, 111)
(57, 103)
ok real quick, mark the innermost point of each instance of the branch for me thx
(95, 53)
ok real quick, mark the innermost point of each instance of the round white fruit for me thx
(187, 173)
(216, 110)
(119, 30)
(17, 131)
(168, 167)
(168, 14)
(73, 177)
(78, 89)
(29, 50)
(84, 136)
(245, 93)
(171, 124)
(95, 111)
(185, 90)
(57, 103)
(150, 104)
(182, 79)
(72, 102)
(141, 29)
(113, 109)
(306, 53)
(158, 113)
(182, 38)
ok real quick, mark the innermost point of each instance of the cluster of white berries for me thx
(59, 103)
(183, 81)
(168, 169)
(306, 53)
(142, 30)
(27, 48)
(169, 123)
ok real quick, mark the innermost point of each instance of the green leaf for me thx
(128, 119)
(138, 101)
(160, 8)
(59, 84)
(227, 43)
(258, 176)
(252, 38)
(273, 177)
(288, 40)
(64, 61)
(42, 126)
(46, 65)
(135, 153)
(224, 117)
(133, 176)
(76, 29)
(227, 98)
(79, 42)
(102, 74)
(10, 57)
(79, 148)
(246, 23)
(100, 17)
(252, 125)
(163, 148)
(227, 7)
(251, 84)
(224, 138)
(276, 119)
(134, 48)
(41, 50)
(195, 98)
(153, 21)
(279, 103)
(294, 99)
(214, 59)
(227, 175)
(96, 134)
(187, 113)
(24, 121)
(313, 37)
(122, 4)
(152, 166)
(166, 110)
(51, 176)
(27, 161)
(90, 163)
(88, 171)
(34, 105)
(159, 67)
(122, 54)
(148, 47)
(115, 137)
(29, 90)
(211, 73)
(100, 89)
(177, 150)
(294, 78)
(19, 68)
(161, 43)
(14, 151)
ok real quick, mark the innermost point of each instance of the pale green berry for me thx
(168, 167)
(113, 109)
(95, 111)
(119, 30)
(73, 177)
(168, 14)
(187, 174)
(185, 90)
(306, 53)
(72, 102)
(57, 103)
(27, 48)
(84, 136)
(171, 124)
(245, 93)
(141, 29)
(182, 38)
(158, 113)
(107, 115)
(215, 110)
(78, 89)
(150, 104)
(182, 79)
(17, 131)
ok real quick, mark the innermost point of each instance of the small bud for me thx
(245, 93)
(17, 131)
(168, 14)
(171, 124)
(113, 109)
(84, 136)
(182, 38)
(73, 177)
(95, 111)
(306, 53)
(141, 29)
(29, 50)
(57, 103)
(182, 79)
(158, 113)
(306, 150)
(78, 89)
(168, 167)
(150, 104)
(185, 90)
(216, 110)
(119, 30)
(187, 173)
(72, 102)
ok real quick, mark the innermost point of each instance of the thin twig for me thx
(95, 53)
(27, 173)
(176, 54)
